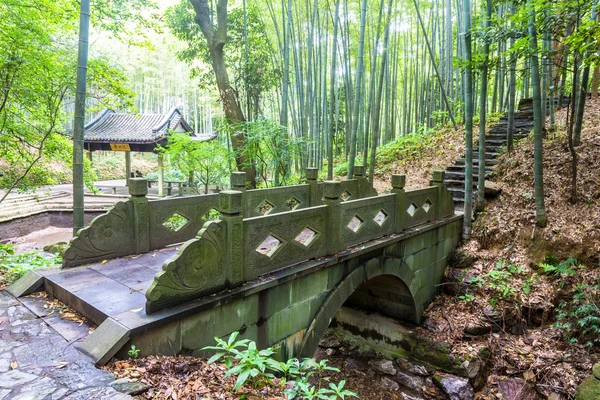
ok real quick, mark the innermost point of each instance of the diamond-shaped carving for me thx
(412, 209)
(345, 196)
(427, 205)
(175, 222)
(306, 237)
(293, 203)
(355, 223)
(380, 217)
(269, 246)
(265, 207)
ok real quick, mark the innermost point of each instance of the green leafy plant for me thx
(579, 317)
(133, 352)
(551, 266)
(13, 266)
(250, 365)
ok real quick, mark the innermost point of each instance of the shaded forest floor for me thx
(530, 294)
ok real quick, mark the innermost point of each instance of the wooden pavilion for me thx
(112, 131)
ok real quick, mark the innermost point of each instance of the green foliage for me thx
(500, 281)
(271, 151)
(133, 352)
(551, 266)
(579, 316)
(208, 162)
(13, 266)
(37, 63)
(250, 365)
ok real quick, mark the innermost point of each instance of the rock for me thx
(383, 366)
(406, 396)
(477, 329)
(330, 342)
(436, 326)
(589, 389)
(461, 259)
(491, 190)
(455, 388)
(516, 389)
(330, 352)
(596, 370)
(472, 368)
(353, 364)
(15, 377)
(410, 381)
(457, 282)
(56, 248)
(131, 388)
(492, 315)
(388, 384)
(414, 369)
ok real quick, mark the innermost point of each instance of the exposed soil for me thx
(418, 166)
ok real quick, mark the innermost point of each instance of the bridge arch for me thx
(371, 271)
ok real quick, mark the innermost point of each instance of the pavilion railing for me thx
(235, 249)
(139, 225)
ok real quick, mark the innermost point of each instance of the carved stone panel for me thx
(108, 236)
(197, 269)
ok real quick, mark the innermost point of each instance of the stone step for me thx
(458, 183)
(488, 162)
(461, 169)
(502, 135)
(460, 176)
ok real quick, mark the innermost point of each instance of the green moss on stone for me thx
(589, 389)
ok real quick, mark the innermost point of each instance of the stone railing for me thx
(234, 250)
(139, 225)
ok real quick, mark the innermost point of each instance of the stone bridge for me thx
(276, 264)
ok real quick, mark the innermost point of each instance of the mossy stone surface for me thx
(589, 389)
(596, 370)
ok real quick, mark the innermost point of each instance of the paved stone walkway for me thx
(36, 363)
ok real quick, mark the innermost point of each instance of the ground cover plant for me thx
(13, 266)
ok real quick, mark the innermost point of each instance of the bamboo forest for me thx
(300, 199)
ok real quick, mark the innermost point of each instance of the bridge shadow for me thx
(380, 285)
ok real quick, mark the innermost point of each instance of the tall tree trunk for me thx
(585, 76)
(595, 80)
(357, 90)
(538, 139)
(79, 121)
(511, 86)
(215, 40)
(468, 80)
(332, 92)
(377, 107)
(482, 110)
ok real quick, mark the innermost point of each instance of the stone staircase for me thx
(495, 142)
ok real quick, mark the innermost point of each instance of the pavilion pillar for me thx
(127, 167)
(89, 156)
(161, 176)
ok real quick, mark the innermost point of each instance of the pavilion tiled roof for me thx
(111, 127)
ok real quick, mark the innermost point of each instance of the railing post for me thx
(138, 189)
(359, 175)
(398, 183)
(312, 175)
(332, 191)
(445, 204)
(230, 207)
(238, 183)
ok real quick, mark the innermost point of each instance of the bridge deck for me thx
(103, 290)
